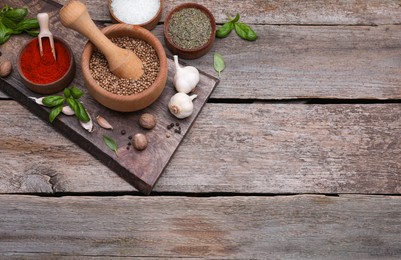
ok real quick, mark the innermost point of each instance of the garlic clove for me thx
(37, 100)
(103, 122)
(185, 78)
(88, 126)
(68, 111)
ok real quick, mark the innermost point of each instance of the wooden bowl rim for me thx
(155, 17)
(88, 51)
(54, 84)
(201, 8)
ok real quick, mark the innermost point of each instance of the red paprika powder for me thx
(44, 70)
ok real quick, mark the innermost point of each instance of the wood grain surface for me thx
(311, 107)
(293, 62)
(287, 227)
(244, 148)
(140, 168)
(306, 12)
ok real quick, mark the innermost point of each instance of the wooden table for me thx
(295, 156)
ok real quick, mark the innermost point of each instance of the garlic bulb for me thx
(181, 105)
(185, 78)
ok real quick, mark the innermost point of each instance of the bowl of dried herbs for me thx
(189, 30)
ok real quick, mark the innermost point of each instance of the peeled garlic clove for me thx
(181, 105)
(68, 111)
(37, 100)
(185, 78)
(103, 122)
(88, 126)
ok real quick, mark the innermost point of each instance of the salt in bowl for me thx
(144, 13)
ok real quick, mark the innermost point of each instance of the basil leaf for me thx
(33, 33)
(245, 32)
(73, 104)
(16, 14)
(8, 23)
(4, 39)
(67, 93)
(236, 19)
(12, 21)
(52, 101)
(26, 25)
(81, 113)
(219, 64)
(224, 30)
(110, 143)
(79, 110)
(76, 92)
(5, 33)
(54, 113)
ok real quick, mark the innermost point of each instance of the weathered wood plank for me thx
(283, 227)
(248, 148)
(292, 62)
(283, 12)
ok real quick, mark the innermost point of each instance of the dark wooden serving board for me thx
(141, 169)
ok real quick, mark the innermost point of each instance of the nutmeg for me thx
(140, 142)
(147, 121)
(5, 68)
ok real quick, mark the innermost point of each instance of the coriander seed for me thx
(101, 73)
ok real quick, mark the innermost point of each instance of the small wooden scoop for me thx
(122, 62)
(43, 19)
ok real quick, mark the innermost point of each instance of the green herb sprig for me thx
(71, 97)
(12, 21)
(243, 30)
(111, 144)
(218, 62)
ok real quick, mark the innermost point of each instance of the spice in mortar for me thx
(189, 28)
(135, 11)
(44, 70)
(147, 54)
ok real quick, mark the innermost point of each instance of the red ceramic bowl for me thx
(55, 86)
(190, 53)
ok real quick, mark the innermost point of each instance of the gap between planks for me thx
(190, 194)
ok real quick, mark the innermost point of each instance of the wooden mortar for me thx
(122, 62)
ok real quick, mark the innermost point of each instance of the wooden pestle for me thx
(122, 62)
